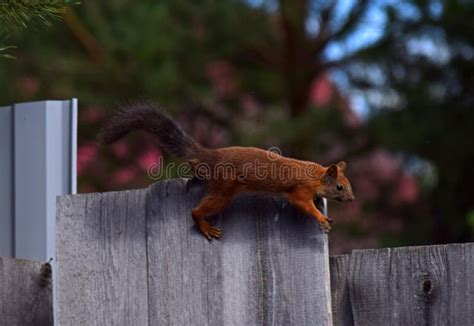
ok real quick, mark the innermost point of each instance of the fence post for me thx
(37, 163)
(426, 285)
(140, 250)
(25, 293)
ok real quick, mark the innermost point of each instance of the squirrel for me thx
(228, 171)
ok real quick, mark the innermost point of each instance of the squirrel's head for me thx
(335, 184)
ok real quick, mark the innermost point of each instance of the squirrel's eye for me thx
(339, 187)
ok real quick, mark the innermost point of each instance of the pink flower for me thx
(86, 155)
(322, 91)
(385, 166)
(124, 176)
(152, 156)
(406, 190)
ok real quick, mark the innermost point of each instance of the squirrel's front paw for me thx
(325, 226)
(208, 231)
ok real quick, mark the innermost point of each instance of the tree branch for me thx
(354, 17)
(87, 40)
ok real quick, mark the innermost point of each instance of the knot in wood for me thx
(427, 287)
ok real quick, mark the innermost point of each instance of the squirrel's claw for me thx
(208, 231)
(215, 232)
(325, 227)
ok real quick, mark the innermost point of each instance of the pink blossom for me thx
(384, 165)
(406, 190)
(322, 91)
(124, 176)
(86, 155)
(149, 157)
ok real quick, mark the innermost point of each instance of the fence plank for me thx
(271, 266)
(413, 286)
(25, 296)
(101, 259)
(341, 304)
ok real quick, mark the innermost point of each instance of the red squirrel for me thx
(231, 170)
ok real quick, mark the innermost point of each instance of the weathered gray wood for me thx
(270, 268)
(413, 286)
(101, 259)
(25, 295)
(341, 304)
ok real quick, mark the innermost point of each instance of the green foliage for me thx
(470, 220)
(6, 56)
(239, 74)
(19, 14)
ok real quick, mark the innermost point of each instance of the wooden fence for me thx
(25, 293)
(134, 258)
(430, 285)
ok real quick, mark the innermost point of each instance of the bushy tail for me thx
(145, 115)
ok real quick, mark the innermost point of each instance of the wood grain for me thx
(431, 285)
(270, 268)
(25, 297)
(341, 304)
(121, 261)
(101, 259)
(135, 258)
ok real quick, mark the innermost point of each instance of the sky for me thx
(370, 30)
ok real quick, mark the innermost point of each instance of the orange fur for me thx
(231, 170)
(299, 181)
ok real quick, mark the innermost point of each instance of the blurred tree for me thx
(259, 72)
(206, 56)
(424, 105)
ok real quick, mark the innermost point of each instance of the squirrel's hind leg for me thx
(211, 204)
(194, 182)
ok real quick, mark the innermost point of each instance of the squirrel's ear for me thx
(342, 166)
(332, 171)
